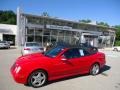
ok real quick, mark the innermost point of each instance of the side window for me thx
(83, 52)
(86, 52)
(72, 53)
(68, 54)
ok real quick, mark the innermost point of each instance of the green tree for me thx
(7, 17)
(117, 32)
(117, 41)
(102, 24)
(45, 14)
(85, 21)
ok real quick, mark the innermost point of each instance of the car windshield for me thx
(32, 44)
(53, 52)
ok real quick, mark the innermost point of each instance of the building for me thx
(46, 29)
(8, 33)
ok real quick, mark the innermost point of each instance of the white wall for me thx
(8, 27)
(1, 37)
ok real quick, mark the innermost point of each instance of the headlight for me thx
(17, 69)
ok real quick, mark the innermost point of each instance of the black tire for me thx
(6, 47)
(95, 69)
(115, 49)
(37, 78)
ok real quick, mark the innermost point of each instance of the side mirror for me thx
(63, 59)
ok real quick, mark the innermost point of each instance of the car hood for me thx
(32, 58)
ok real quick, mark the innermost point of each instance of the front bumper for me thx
(19, 78)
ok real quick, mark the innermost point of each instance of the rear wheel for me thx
(37, 78)
(95, 69)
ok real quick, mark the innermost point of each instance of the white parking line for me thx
(110, 55)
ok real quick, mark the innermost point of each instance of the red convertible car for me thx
(38, 68)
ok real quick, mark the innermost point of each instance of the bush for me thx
(117, 43)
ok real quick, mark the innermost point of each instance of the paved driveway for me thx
(109, 79)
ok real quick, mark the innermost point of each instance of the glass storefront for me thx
(51, 36)
(72, 37)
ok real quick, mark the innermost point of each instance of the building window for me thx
(68, 33)
(46, 39)
(53, 39)
(67, 39)
(38, 39)
(46, 32)
(61, 33)
(54, 32)
(30, 31)
(39, 32)
(30, 38)
(60, 39)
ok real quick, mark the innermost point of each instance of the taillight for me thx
(26, 48)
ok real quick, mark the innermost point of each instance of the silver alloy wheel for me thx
(38, 79)
(95, 69)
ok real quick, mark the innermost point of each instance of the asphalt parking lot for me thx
(109, 79)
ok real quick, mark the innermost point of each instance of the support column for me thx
(1, 36)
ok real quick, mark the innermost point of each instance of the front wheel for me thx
(95, 69)
(37, 78)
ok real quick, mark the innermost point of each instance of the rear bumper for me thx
(30, 52)
(4, 46)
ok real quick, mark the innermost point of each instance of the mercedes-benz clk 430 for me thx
(38, 68)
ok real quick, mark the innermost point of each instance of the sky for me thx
(95, 10)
